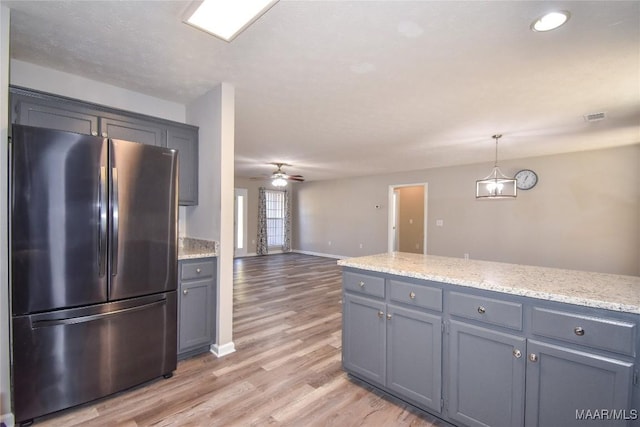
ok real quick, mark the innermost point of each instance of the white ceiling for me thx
(346, 88)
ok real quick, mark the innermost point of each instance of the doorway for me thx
(408, 218)
(240, 222)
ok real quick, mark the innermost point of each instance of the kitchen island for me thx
(486, 343)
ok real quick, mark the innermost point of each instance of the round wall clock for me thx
(526, 179)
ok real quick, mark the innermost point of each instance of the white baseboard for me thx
(7, 420)
(319, 254)
(223, 350)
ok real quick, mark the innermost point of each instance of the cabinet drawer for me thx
(196, 270)
(596, 332)
(364, 284)
(489, 310)
(416, 295)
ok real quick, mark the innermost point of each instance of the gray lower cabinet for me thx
(487, 376)
(196, 305)
(494, 359)
(563, 384)
(364, 337)
(395, 347)
(414, 356)
(33, 108)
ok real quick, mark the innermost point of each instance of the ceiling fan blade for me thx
(295, 178)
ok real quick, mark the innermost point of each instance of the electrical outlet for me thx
(439, 222)
(360, 245)
(466, 256)
(329, 243)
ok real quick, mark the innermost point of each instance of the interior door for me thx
(58, 241)
(143, 228)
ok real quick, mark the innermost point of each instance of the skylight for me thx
(226, 19)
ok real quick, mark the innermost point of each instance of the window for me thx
(275, 217)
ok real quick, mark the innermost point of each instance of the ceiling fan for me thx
(279, 178)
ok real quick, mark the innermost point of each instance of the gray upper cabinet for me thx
(185, 140)
(39, 109)
(52, 115)
(143, 132)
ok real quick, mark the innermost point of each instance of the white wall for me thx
(5, 397)
(212, 219)
(57, 82)
(584, 213)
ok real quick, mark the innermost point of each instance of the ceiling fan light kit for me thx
(279, 182)
(496, 185)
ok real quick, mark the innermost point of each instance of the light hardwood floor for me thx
(286, 370)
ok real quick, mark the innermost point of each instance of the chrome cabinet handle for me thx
(578, 331)
(533, 357)
(481, 310)
(361, 284)
(517, 353)
(198, 270)
(412, 295)
(104, 134)
(185, 291)
(380, 314)
(388, 317)
(94, 133)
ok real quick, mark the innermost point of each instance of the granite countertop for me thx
(189, 248)
(608, 291)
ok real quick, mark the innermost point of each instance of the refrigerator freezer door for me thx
(58, 224)
(69, 357)
(143, 230)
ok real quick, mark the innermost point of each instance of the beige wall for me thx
(411, 218)
(583, 214)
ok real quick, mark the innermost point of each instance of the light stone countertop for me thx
(189, 248)
(599, 290)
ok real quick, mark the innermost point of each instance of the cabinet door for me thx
(363, 339)
(185, 140)
(46, 114)
(194, 314)
(487, 374)
(564, 385)
(414, 356)
(143, 132)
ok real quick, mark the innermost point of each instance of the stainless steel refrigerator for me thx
(93, 267)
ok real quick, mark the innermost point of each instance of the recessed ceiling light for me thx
(550, 21)
(226, 18)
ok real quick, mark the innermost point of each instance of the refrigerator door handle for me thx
(93, 317)
(116, 222)
(102, 223)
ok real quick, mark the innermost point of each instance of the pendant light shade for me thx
(496, 185)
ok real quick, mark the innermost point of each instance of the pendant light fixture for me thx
(497, 185)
